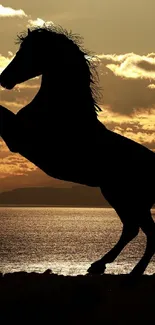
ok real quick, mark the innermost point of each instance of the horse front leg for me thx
(8, 128)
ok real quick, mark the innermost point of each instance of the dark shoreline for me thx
(48, 298)
(53, 206)
(58, 206)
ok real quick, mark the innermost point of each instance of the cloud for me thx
(139, 127)
(123, 93)
(151, 86)
(13, 106)
(130, 65)
(10, 12)
(26, 85)
(4, 61)
(33, 178)
(15, 164)
(39, 22)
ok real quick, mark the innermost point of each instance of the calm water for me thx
(66, 240)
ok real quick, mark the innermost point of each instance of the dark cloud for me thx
(123, 95)
(145, 65)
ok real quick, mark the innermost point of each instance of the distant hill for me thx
(83, 196)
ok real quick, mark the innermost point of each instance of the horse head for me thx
(59, 57)
(26, 64)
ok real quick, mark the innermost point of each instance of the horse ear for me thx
(29, 31)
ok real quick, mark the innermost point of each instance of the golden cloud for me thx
(10, 12)
(151, 86)
(139, 127)
(4, 61)
(130, 65)
(39, 23)
(15, 164)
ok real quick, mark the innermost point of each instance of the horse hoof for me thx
(97, 268)
(135, 273)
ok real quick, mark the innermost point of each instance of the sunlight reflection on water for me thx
(66, 240)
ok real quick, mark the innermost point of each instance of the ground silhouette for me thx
(59, 132)
(56, 299)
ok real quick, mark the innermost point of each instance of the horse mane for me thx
(74, 42)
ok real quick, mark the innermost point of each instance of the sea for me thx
(65, 240)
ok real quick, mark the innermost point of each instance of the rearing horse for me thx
(60, 133)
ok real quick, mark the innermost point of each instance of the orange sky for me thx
(121, 33)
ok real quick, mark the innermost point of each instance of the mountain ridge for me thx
(54, 196)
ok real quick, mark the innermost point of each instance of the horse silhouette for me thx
(59, 132)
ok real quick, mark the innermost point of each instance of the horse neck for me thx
(66, 101)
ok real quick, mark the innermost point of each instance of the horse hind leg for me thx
(148, 227)
(130, 231)
(8, 128)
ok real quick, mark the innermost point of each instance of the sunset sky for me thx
(122, 34)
